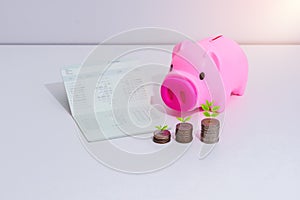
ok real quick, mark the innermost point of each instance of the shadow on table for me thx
(59, 93)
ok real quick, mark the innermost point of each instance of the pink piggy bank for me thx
(212, 69)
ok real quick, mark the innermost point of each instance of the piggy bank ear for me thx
(176, 49)
(180, 47)
(215, 59)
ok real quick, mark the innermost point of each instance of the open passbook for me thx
(111, 102)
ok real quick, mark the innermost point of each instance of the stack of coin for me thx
(210, 129)
(184, 132)
(162, 137)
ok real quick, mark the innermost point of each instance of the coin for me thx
(161, 137)
(184, 132)
(211, 122)
(210, 129)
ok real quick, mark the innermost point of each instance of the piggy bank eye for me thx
(202, 75)
(171, 67)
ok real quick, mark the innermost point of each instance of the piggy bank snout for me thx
(179, 93)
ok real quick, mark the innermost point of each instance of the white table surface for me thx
(42, 157)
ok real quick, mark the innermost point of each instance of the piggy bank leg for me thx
(239, 91)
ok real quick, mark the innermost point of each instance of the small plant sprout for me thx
(209, 109)
(183, 120)
(162, 128)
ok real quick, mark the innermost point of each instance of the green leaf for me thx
(164, 128)
(207, 103)
(205, 107)
(206, 114)
(187, 119)
(158, 127)
(180, 119)
(215, 108)
(214, 114)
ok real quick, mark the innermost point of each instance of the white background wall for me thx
(91, 21)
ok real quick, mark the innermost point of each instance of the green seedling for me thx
(162, 128)
(183, 120)
(209, 109)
